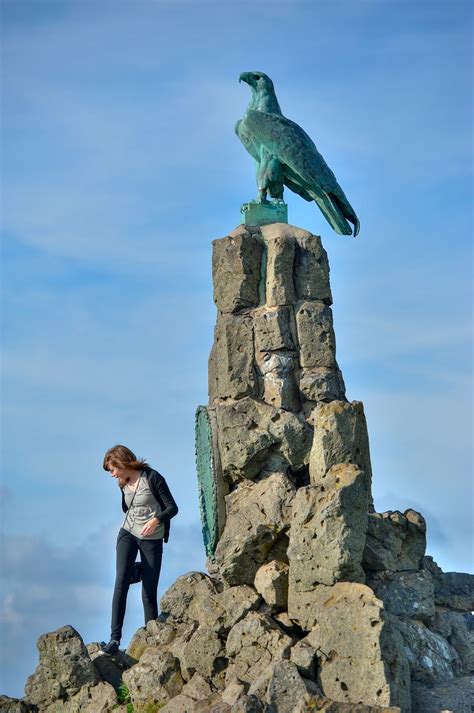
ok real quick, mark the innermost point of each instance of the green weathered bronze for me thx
(211, 486)
(285, 155)
(264, 213)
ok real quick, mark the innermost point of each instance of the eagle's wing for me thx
(305, 170)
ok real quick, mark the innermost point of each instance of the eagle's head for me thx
(258, 81)
(263, 94)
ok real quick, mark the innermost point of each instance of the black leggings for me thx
(150, 555)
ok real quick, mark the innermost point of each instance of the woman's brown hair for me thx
(123, 457)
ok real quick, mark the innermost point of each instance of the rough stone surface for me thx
(279, 288)
(322, 384)
(100, 698)
(109, 668)
(311, 274)
(253, 643)
(293, 436)
(179, 704)
(361, 652)
(454, 590)
(183, 601)
(340, 436)
(64, 668)
(271, 581)
(287, 686)
(257, 517)
(274, 329)
(236, 264)
(157, 632)
(458, 630)
(203, 653)
(244, 437)
(320, 704)
(234, 357)
(328, 529)
(407, 594)
(249, 704)
(456, 696)
(432, 660)
(197, 688)
(395, 541)
(233, 691)
(155, 679)
(316, 339)
(14, 705)
(277, 369)
(303, 655)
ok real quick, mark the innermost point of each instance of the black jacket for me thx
(167, 507)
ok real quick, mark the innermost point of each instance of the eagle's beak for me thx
(245, 77)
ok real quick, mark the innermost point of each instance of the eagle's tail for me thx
(332, 211)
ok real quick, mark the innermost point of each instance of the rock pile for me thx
(314, 601)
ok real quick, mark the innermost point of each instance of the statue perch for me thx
(285, 155)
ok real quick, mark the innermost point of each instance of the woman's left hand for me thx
(150, 527)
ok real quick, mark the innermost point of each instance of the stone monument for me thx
(313, 601)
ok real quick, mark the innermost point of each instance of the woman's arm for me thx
(167, 505)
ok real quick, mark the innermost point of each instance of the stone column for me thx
(272, 369)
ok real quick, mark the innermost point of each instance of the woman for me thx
(149, 505)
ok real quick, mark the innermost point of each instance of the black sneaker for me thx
(111, 648)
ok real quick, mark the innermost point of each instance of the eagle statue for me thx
(285, 155)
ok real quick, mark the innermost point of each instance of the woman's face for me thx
(117, 471)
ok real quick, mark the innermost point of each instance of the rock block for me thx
(322, 384)
(456, 696)
(64, 668)
(328, 530)
(203, 653)
(316, 339)
(454, 590)
(321, 704)
(279, 288)
(157, 633)
(15, 705)
(286, 686)
(406, 594)
(304, 656)
(271, 581)
(274, 329)
(340, 436)
(100, 698)
(244, 438)
(155, 679)
(458, 630)
(279, 383)
(233, 367)
(311, 275)
(236, 602)
(253, 643)
(257, 517)
(236, 262)
(395, 541)
(431, 658)
(361, 652)
(251, 432)
(185, 599)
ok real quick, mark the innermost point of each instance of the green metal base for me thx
(211, 486)
(264, 213)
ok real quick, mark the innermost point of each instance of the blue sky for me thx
(119, 167)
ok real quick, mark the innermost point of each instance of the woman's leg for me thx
(150, 552)
(127, 548)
